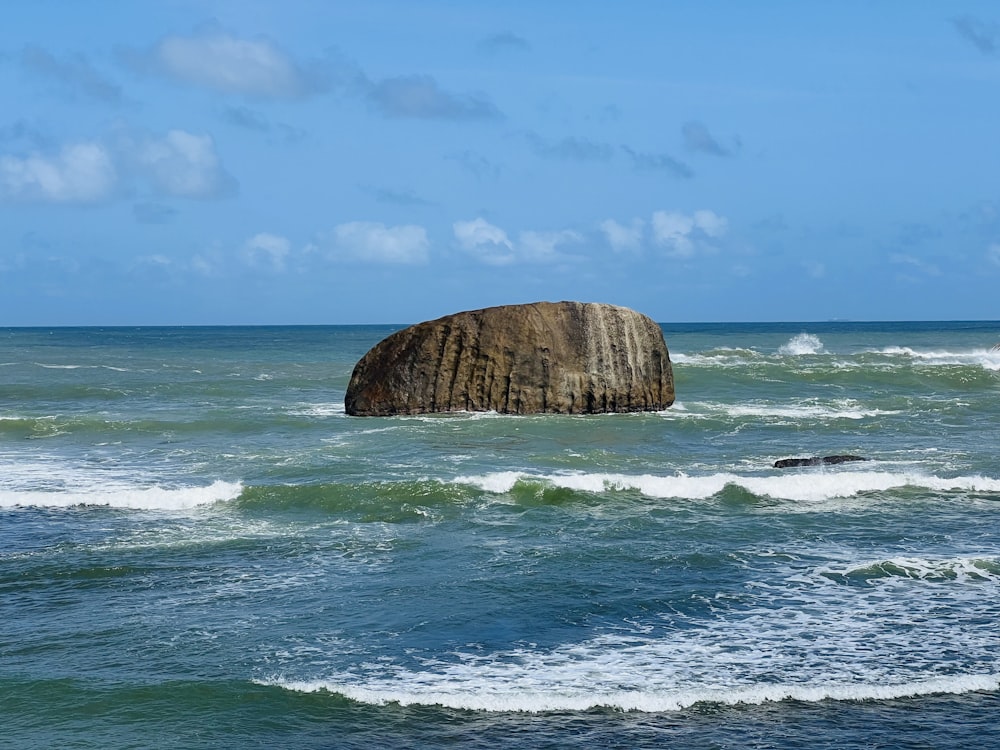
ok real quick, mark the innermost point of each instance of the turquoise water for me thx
(199, 549)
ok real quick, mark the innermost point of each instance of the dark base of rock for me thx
(787, 463)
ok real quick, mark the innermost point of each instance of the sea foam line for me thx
(536, 700)
(845, 409)
(810, 485)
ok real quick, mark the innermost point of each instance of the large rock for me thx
(555, 357)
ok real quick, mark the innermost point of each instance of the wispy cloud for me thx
(27, 134)
(476, 164)
(246, 118)
(993, 253)
(373, 242)
(544, 247)
(683, 235)
(815, 268)
(74, 72)
(266, 250)
(917, 234)
(231, 65)
(569, 148)
(659, 162)
(983, 35)
(915, 264)
(624, 238)
(148, 212)
(396, 197)
(78, 173)
(254, 121)
(178, 164)
(420, 96)
(504, 41)
(697, 138)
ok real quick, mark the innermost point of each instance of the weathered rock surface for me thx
(543, 357)
(787, 463)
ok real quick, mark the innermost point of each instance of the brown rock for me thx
(543, 357)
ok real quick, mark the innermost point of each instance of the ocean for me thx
(199, 549)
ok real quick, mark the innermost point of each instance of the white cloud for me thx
(231, 65)
(624, 238)
(177, 164)
(268, 250)
(79, 173)
(486, 241)
(711, 223)
(376, 243)
(673, 230)
(683, 235)
(181, 164)
(490, 244)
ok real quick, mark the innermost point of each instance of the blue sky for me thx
(247, 162)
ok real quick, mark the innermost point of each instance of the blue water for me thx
(198, 548)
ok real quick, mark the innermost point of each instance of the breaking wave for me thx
(115, 495)
(454, 691)
(806, 486)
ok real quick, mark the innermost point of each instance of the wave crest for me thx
(806, 486)
(804, 343)
(138, 498)
(427, 691)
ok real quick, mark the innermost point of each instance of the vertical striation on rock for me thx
(543, 357)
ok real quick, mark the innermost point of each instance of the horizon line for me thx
(826, 321)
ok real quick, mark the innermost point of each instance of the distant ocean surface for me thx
(199, 549)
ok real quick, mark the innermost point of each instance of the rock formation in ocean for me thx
(543, 357)
(786, 463)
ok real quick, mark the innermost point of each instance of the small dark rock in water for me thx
(786, 463)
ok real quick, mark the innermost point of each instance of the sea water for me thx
(199, 549)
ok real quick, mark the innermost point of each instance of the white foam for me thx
(497, 482)
(986, 358)
(804, 343)
(116, 495)
(841, 409)
(812, 485)
(931, 570)
(334, 409)
(533, 697)
(723, 357)
(802, 635)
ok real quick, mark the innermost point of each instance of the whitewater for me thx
(199, 548)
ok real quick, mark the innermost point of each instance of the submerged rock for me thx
(543, 357)
(786, 463)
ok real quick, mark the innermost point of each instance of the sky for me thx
(229, 162)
